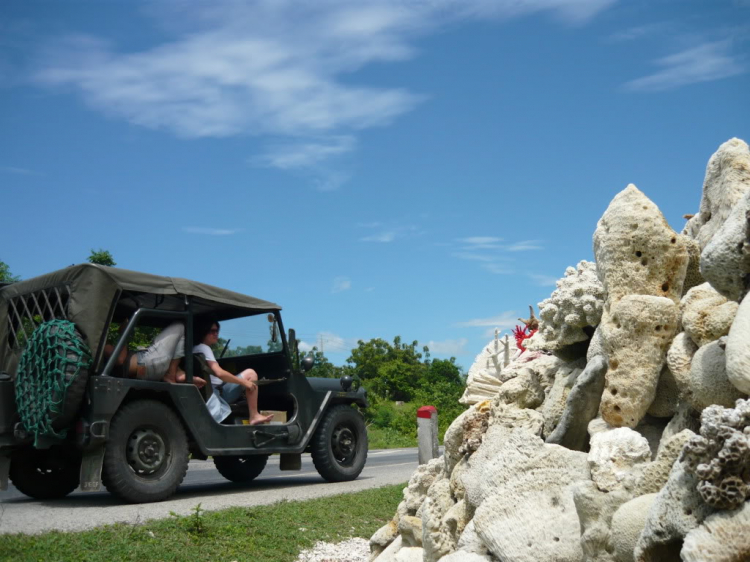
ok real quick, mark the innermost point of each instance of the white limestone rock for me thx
(627, 524)
(389, 554)
(666, 397)
(708, 383)
(723, 537)
(679, 357)
(416, 490)
(727, 181)
(706, 315)
(651, 477)
(383, 537)
(409, 554)
(554, 404)
(434, 540)
(685, 418)
(738, 349)
(595, 509)
(725, 261)
(511, 418)
(575, 304)
(613, 454)
(453, 439)
(637, 253)
(595, 345)
(677, 509)
(465, 556)
(636, 334)
(505, 456)
(581, 406)
(471, 542)
(410, 529)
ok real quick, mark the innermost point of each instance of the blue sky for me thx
(416, 168)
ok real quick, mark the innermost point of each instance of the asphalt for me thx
(203, 484)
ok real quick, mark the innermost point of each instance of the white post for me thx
(427, 433)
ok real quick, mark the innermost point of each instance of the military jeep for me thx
(70, 417)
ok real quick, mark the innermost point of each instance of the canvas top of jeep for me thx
(63, 397)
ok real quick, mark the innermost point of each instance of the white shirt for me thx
(209, 354)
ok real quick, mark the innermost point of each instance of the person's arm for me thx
(228, 377)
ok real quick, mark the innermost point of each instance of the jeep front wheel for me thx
(339, 446)
(45, 474)
(241, 469)
(146, 455)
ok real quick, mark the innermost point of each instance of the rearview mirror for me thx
(308, 362)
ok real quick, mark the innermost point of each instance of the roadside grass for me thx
(271, 533)
(388, 438)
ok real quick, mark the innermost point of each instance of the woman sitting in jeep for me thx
(160, 361)
(227, 386)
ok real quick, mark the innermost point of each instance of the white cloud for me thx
(211, 231)
(498, 268)
(702, 63)
(525, 245)
(448, 347)
(389, 234)
(328, 342)
(543, 280)
(279, 68)
(481, 242)
(504, 320)
(19, 171)
(296, 155)
(639, 31)
(341, 284)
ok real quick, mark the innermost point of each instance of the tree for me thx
(323, 367)
(5, 275)
(102, 257)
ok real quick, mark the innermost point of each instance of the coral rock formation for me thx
(706, 315)
(738, 349)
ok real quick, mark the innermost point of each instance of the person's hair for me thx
(201, 328)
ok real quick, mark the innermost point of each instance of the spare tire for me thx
(51, 378)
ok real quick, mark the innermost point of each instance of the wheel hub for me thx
(344, 445)
(146, 451)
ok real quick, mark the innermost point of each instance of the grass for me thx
(387, 438)
(270, 533)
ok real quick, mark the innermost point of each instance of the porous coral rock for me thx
(554, 404)
(416, 490)
(676, 510)
(685, 418)
(693, 276)
(720, 456)
(706, 315)
(505, 456)
(529, 520)
(469, 541)
(435, 542)
(595, 509)
(581, 406)
(613, 454)
(637, 253)
(708, 383)
(725, 261)
(456, 479)
(666, 396)
(384, 536)
(650, 477)
(474, 425)
(525, 390)
(465, 556)
(738, 349)
(726, 183)
(409, 554)
(512, 418)
(575, 304)
(454, 437)
(410, 529)
(679, 357)
(636, 336)
(486, 373)
(723, 537)
(627, 525)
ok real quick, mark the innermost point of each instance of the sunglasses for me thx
(214, 331)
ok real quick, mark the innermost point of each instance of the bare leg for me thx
(252, 398)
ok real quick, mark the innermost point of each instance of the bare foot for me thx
(256, 420)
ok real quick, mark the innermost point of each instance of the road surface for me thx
(203, 484)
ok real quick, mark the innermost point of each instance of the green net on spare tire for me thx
(51, 378)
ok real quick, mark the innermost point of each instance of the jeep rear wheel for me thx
(45, 474)
(146, 456)
(241, 469)
(339, 446)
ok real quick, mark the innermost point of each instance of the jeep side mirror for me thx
(308, 362)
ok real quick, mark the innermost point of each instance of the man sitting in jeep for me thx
(226, 385)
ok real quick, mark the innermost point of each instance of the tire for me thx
(45, 474)
(339, 445)
(146, 455)
(241, 469)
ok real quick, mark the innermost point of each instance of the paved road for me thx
(204, 485)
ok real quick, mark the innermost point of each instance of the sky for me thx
(425, 168)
